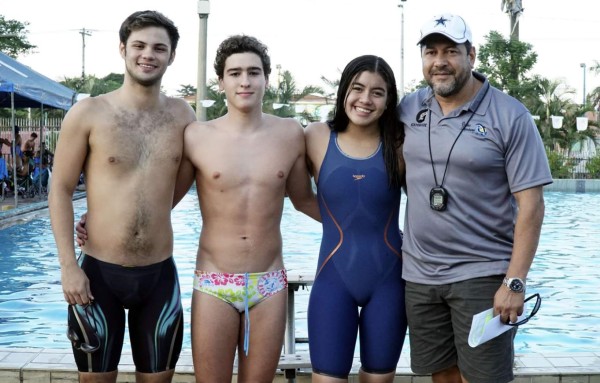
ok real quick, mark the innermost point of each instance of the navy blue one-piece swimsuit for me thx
(358, 285)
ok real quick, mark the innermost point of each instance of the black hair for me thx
(390, 128)
(241, 44)
(142, 19)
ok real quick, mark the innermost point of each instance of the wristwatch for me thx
(516, 285)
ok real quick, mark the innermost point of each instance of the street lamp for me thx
(583, 66)
(201, 93)
(401, 6)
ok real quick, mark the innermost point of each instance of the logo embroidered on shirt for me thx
(358, 177)
(480, 130)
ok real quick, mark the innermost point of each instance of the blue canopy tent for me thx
(22, 87)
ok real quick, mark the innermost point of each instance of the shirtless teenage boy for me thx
(243, 164)
(29, 145)
(123, 141)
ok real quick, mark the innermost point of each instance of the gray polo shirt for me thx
(498, 153)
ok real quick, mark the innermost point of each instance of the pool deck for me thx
(29, 365)
(9, 215)
(52, 366)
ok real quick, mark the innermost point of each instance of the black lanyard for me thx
(449, 153)
(441, 185)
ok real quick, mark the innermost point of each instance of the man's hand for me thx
(508, 304)
(76, 286)
(81, 231)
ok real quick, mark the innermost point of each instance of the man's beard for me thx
(449, 89)
(146, 82)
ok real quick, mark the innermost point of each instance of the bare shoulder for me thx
(198, 130)
(181, 110)
(84, 113)
(89, 104)
(285, 126)
(317, 129)
(317, 138)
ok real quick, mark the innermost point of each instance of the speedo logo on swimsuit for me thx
(358, 177)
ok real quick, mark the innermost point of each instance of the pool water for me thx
(565, 273)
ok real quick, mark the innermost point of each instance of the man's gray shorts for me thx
(439, 321)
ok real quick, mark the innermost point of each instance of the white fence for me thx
(577, 161)
(49, 133)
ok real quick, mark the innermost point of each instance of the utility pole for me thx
(201, 92)
(84, 32)
(513, 8)
(401, 85)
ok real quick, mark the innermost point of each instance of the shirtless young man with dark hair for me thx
(243, 163)
(122, 141)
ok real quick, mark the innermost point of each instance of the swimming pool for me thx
(565, 273)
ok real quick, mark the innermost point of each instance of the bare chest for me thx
(138, 140)
(257, 164)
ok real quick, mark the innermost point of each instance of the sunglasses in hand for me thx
(536, 307)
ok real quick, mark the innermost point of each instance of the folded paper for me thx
(486, 326)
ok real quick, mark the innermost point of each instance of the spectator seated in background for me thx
(43, 176)
(4, 141)
(29, 145)
(3, 167)
(48, 155)
(22, 171)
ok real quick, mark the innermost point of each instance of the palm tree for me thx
(554, 100)
(514, 9)
(285, 94)
(332, 85)
(219, 108)
(594, 96)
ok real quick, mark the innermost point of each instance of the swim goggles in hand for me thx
(87, 325)
(536, 307)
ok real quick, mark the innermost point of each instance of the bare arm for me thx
(527, 235)
(71, 152)
(299, 186)
(185, 174)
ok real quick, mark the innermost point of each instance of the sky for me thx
(309, 38)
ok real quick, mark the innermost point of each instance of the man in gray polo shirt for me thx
(475, 170)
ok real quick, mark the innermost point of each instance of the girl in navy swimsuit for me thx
(356, 161)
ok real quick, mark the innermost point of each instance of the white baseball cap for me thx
(449, 25)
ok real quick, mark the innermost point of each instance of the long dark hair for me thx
(390, 128)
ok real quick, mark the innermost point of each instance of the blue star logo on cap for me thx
(441, 21)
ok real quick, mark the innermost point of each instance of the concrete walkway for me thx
(19, 365)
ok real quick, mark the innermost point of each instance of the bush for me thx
(593, 167)
(560, 166)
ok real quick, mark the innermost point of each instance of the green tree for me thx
(593, 166)
(13, 37)
(506, 63)
(594, 95)
(219, 108)
(560, 165)
(556, 99)
(186, 90)
(94, 86)
(285, 93)
(552, 98)
(332, 86)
